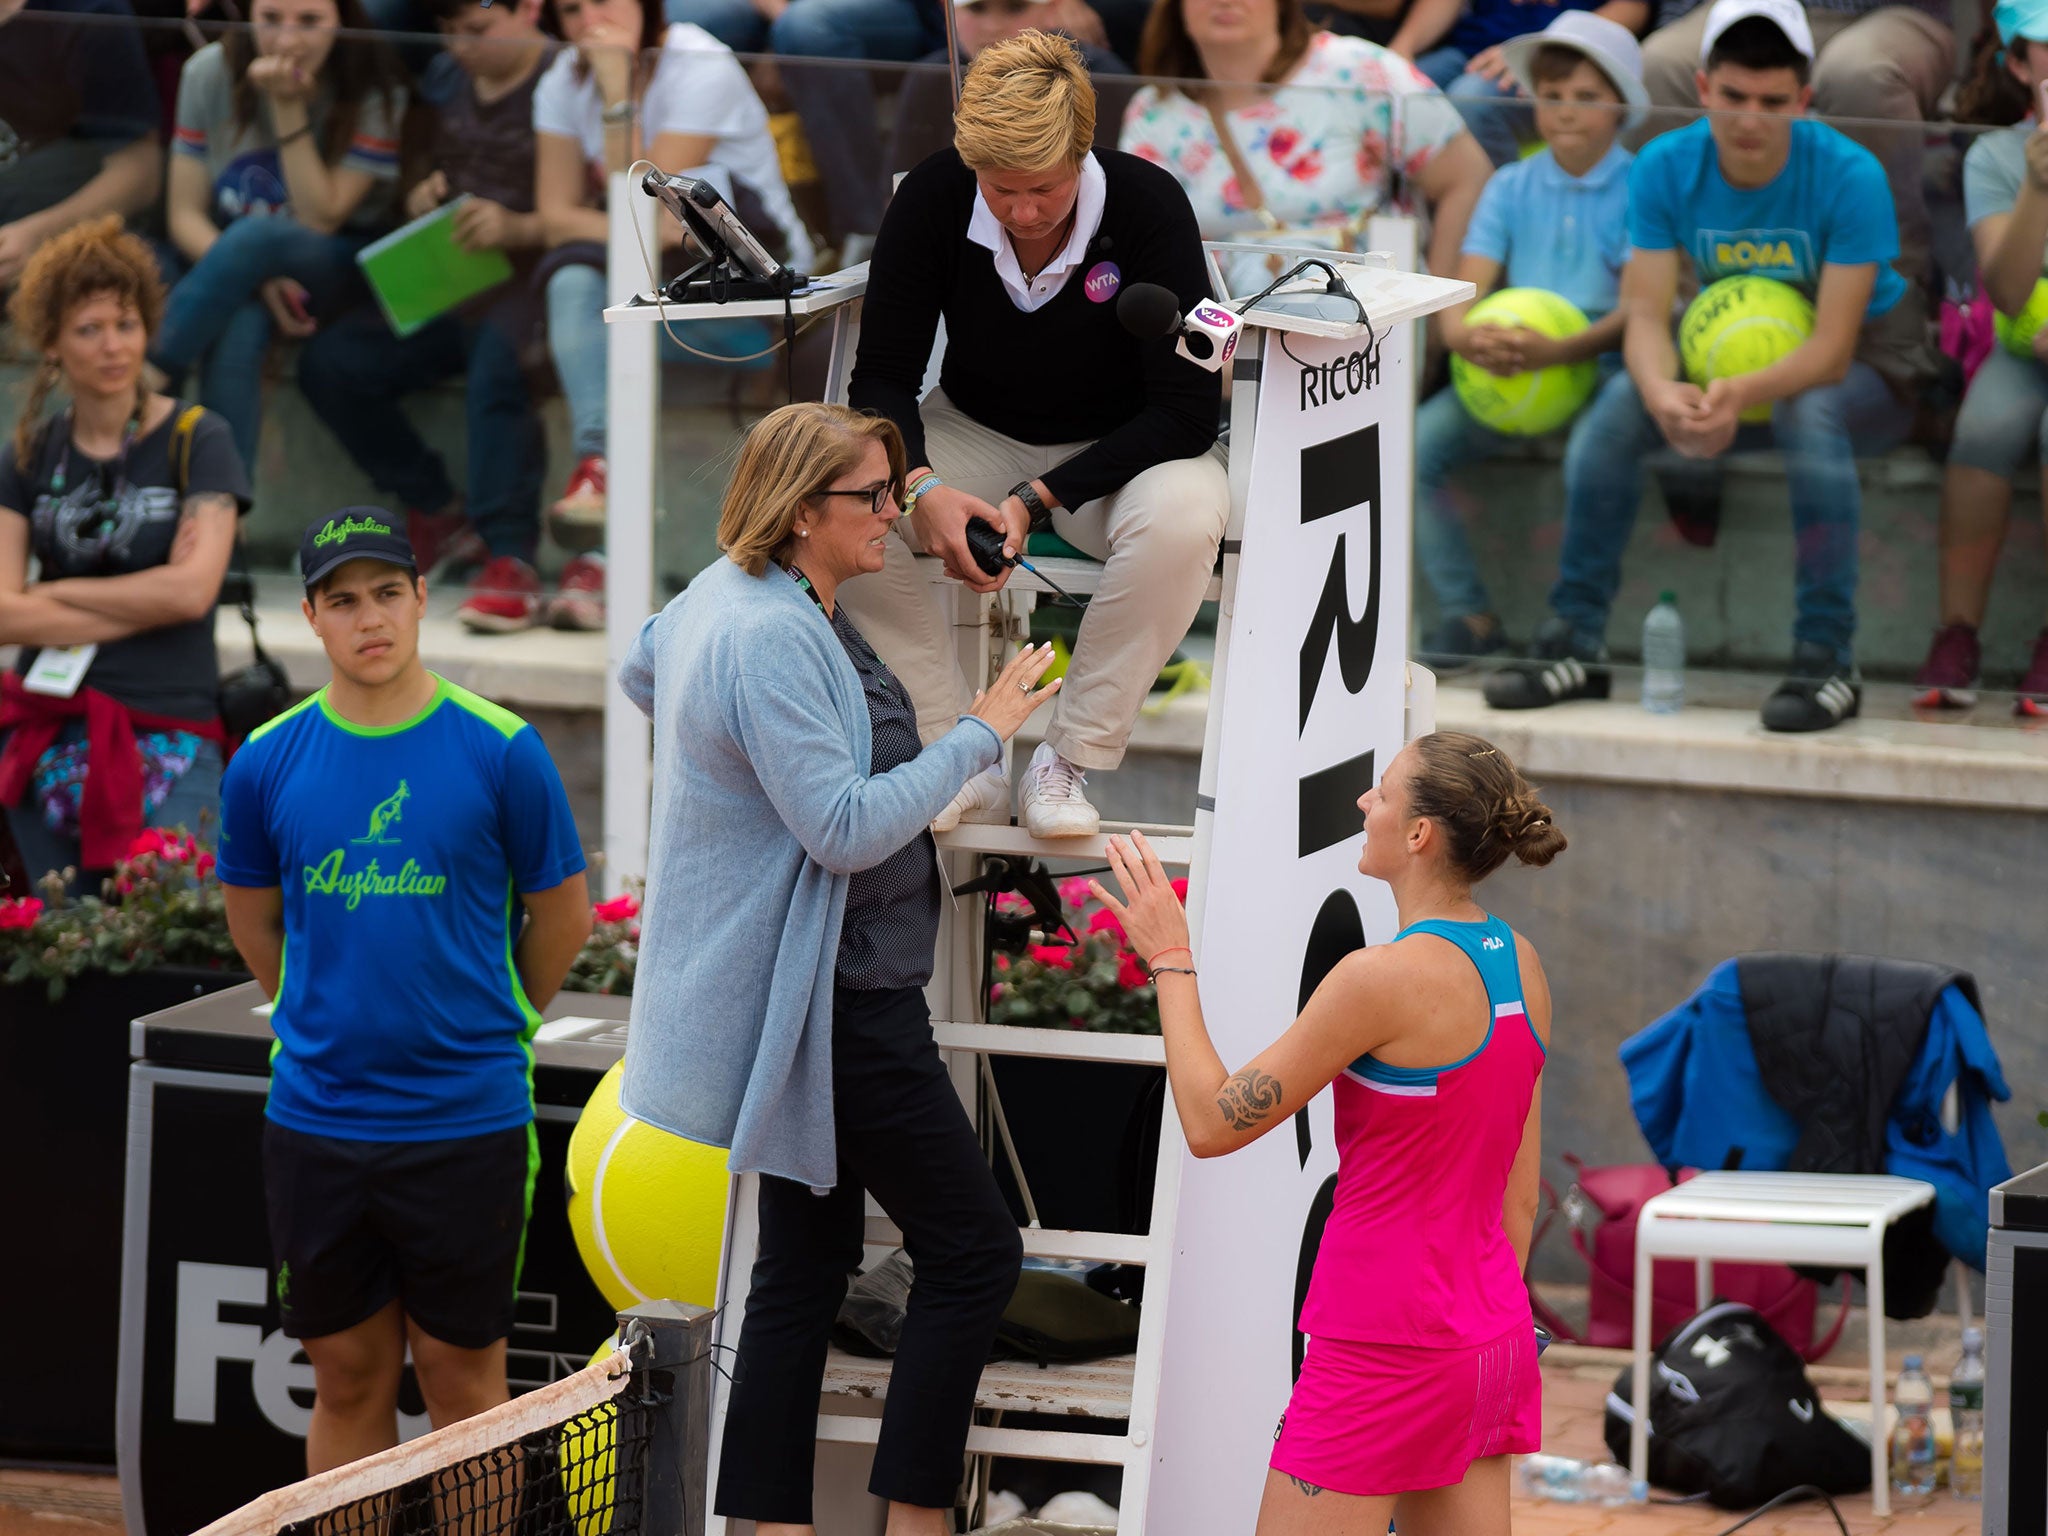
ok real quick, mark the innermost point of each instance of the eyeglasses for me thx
(876, 496)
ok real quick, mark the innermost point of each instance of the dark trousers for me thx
(904, 1137)
(356, 373)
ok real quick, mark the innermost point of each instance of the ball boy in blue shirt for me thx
(1757, 188)
(1557, 220)
(404, 879)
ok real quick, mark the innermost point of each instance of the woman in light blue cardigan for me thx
(792, 912)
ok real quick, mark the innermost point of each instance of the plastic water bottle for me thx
(1567, 1480)
(1966, 1413)
(1664, 657)
(1913, 1433)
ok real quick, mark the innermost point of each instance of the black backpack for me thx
(1733, 1415)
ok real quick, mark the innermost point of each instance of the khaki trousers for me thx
(1882, 71)
(1157, 539)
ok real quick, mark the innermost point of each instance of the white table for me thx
(1836, 1220)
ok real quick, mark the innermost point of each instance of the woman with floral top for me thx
(1331, 129)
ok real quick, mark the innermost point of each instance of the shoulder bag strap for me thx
(1247, 183)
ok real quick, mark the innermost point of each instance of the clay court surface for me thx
(71, 1504)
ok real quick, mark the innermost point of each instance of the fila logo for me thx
(1491, 942)
(1711, 1350)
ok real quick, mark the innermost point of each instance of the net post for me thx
(671, 1346)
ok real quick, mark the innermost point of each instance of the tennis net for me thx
(570, 1459)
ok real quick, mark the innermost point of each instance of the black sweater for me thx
(1068, 373)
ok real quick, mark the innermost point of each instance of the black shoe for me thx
(1818, 694)
(1457, 642)
(1557, 669)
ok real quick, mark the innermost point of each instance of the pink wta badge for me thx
(1102, 282)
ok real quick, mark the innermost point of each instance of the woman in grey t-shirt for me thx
(284, 165)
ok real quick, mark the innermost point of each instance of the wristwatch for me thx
(1041, 514)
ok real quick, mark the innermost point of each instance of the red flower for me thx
(1281, 142)
(1180, 889)
(151, 841)
(1010, 901)
(21, 913)
(618, 910)
(1106, 921)
(1308, 167)
(204, 866)
(1074, 892)
(1058, 956)
(1129, 973)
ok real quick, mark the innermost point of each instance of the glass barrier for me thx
(1554, 504)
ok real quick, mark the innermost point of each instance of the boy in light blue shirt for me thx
(1758, 189)
(1558, 221)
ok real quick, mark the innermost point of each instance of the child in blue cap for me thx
(2004, 419)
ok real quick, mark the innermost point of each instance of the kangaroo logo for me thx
(384, 814)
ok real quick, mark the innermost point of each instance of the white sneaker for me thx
(1051, 800)
(982, 799)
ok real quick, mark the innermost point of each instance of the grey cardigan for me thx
(763, 806)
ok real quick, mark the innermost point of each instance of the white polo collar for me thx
(1031, 295)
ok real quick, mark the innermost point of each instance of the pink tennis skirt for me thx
(1374, 1419)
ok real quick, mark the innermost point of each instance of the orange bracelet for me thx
(1175, 949)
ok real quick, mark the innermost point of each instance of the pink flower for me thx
(151, 841)
(1059, 956)
(21, 913)
(1180, 889)
(1281, 143)
(1074, 892)
(204, 866)
(618, 910)
(1129, 973)
(1010, 901)
(1150, 152)
(1106, 921)
(1002, 962)
(1308, 167)
(1195, 158)
(1232, 194)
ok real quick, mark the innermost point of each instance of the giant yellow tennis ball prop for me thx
(1526, 404)
(588, 1460)
(2016, 332)
(1742, 325)
(647, 1208)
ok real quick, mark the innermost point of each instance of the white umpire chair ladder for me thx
(1118, 1397)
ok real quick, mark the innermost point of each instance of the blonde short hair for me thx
(794, 453)
(1026, 105)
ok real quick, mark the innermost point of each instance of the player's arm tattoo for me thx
(1307, 1489)
(1248, 1098)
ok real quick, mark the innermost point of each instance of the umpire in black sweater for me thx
(1048, 413)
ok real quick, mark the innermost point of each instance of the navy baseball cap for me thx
(353, 533)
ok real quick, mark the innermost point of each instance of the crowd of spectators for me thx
(1525, 136)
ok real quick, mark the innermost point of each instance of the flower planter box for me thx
(63, 1140)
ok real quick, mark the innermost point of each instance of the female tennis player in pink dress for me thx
(1420, 1375)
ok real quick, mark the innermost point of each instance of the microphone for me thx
(1208, 334)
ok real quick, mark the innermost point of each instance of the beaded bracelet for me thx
(1173, 970)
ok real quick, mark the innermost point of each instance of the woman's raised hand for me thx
(1009, 701)
(1154, 920)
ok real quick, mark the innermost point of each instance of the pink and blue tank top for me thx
(1415, 1252)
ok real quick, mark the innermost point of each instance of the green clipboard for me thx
(419, 273)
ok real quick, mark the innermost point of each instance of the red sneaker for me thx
(577, 520)
(2033, 694)
(1947, 679)
(443, 539)
(580, 603)
(504, 597)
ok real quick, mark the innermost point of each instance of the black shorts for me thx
(439, 1226)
